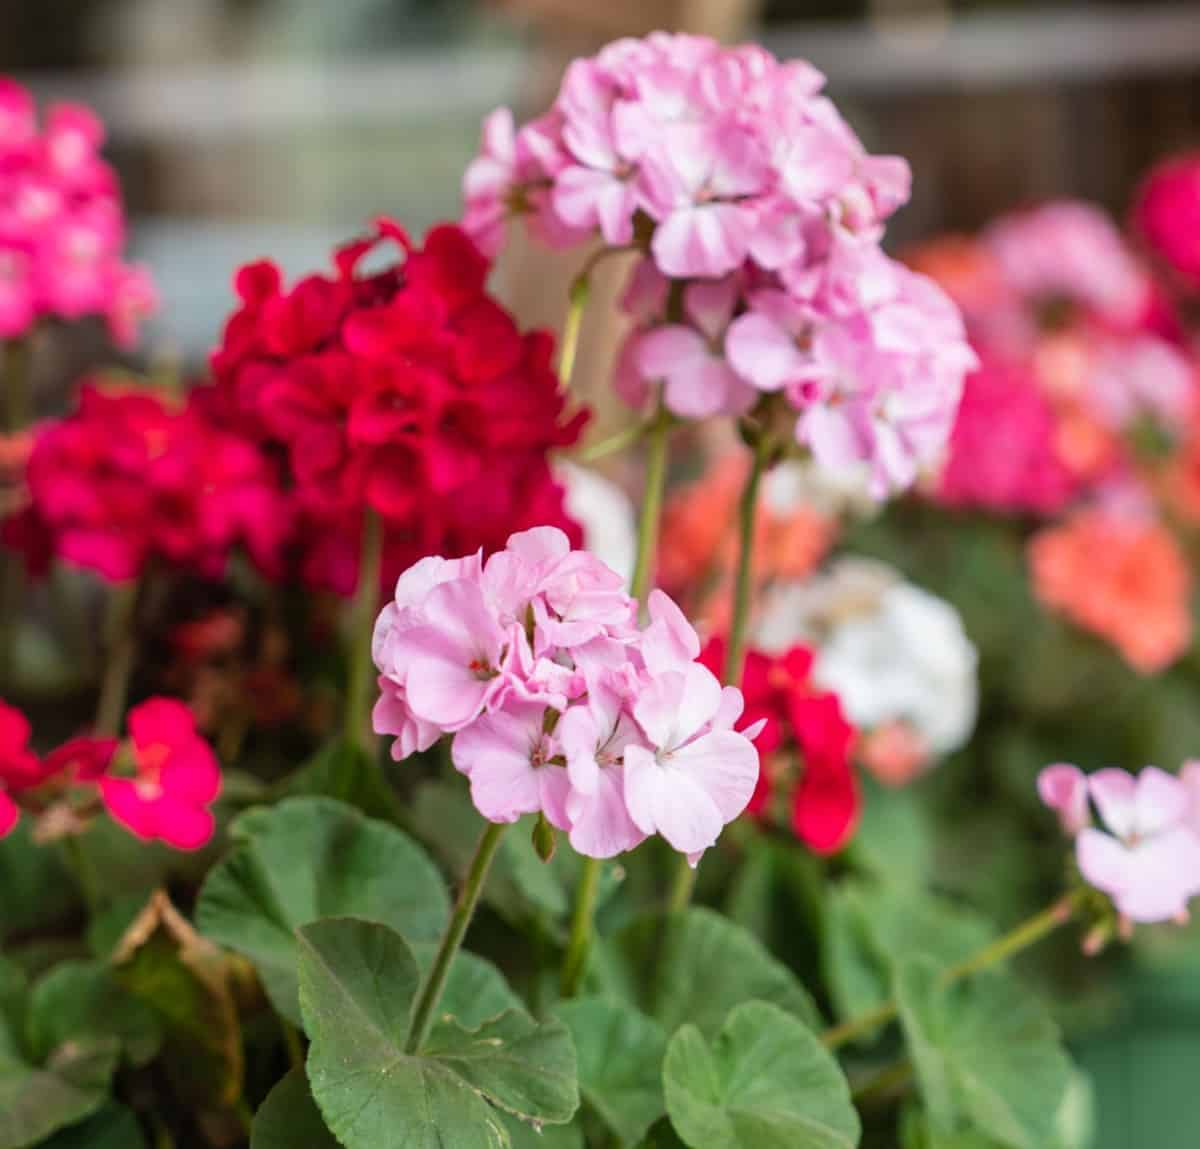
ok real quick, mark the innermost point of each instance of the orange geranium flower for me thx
(1124, 579)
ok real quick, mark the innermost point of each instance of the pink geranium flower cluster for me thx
(62, 226)
(159, 786)
(407, 390)
(1145, 851)
(559, 702)
(1081, 357)
(130, 476)
(759, 215)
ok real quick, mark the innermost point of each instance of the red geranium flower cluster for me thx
(802, 722)
(62, 226)
(406, 390)
(159, 787)
(128, 477)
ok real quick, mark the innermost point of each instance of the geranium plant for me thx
(394, 816)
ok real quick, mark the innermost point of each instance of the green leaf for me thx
(290, 1119)
(37, 887)
(82, 1001)
(347, 772)
(872, 928)
(113, 1127)
(619, 1052)
(765, 1082)
(894, 840)
(475, 990)
(358, 981)
(36, 1101)
(13, 991)
(695, 967)
(309, 858)
(987, 1057)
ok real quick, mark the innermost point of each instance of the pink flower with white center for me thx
(689, 358)
(594, 737)
(75, 265)
(177, 778)
(71, 143)
(770, 345)
(507, 755)
(597, 188)
(1145, 854)
(694, 180)
(449, 664)
(697, 774)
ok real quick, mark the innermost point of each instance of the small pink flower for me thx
(690, 360)
(177, 778)
(1064, 789)
(770, 345)
(695, 179)
(507, 755)
(489, 182)
(19, 766)
(1148, 861)
(697, 774)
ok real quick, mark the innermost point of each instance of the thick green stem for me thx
(366, 607)
(581, 926)
(1025, 935)
(579, 943)
(464, 910)
(18, 357)
(120, 655)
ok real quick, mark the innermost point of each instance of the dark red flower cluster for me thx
(800, 722)
(128, 477)
(159, 787)
(406, 390)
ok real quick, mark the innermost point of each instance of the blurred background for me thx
(254, 127)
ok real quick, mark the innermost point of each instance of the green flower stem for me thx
(684, 881)
(120, 656)
(657, 435)
(577, 297)
(18, 356)
(364, 610)
(582, 918)
(627, 437)
(579, 943)
(735, 650)
(464, 910)
(1028, 933)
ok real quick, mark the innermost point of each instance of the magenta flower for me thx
(1064, 788)
(176, 778)
(19, 766)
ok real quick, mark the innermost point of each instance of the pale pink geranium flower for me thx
(694, 179)
(507, 755)
(1064, 789)
(488, 182)
(177, 778)
(594, 738)
(697, 774)
(689, 357)
(1147, 858)
(597, 189)
(770, 345)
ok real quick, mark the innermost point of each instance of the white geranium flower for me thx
(891, 651)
